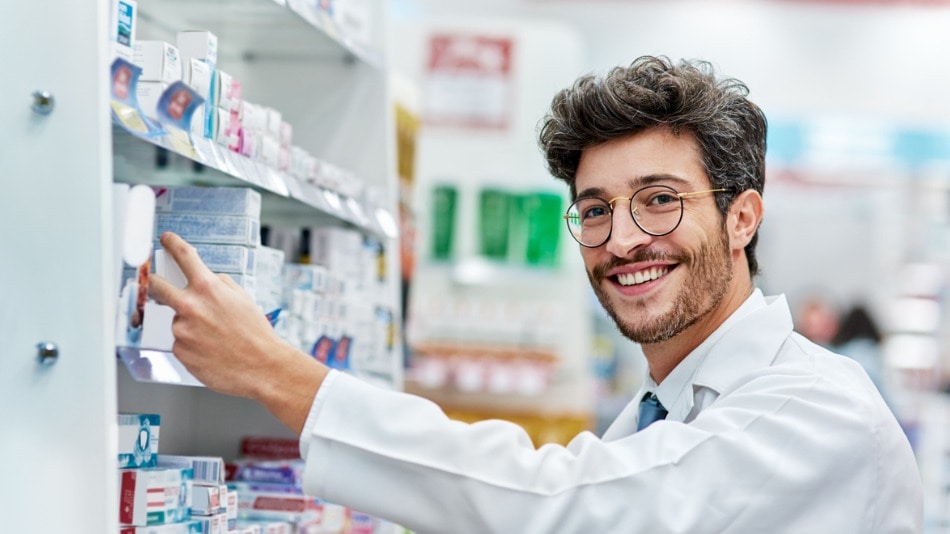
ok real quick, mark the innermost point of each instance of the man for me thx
(764, 431)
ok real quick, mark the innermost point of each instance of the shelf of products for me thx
(160, 138)
(324, 71)
(275, 28)
(219, 166)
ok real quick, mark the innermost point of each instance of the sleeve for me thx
(761, 460)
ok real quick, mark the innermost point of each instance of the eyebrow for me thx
(636, 183)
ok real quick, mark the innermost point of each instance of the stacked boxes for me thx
(152, 497)
(256, 131)
(161, 67)
(223, 223)
(271, 496)
(169, 494)
(253, 128)
(227, 97)
(334, 306)
(308, 296)
(269, 272)
(210, 496)
(360, 327)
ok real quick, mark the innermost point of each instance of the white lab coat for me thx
(766, 432)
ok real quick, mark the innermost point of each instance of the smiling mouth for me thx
(640, 277)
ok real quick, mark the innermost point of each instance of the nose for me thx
(625, 235)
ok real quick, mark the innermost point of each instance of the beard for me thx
(709, 273)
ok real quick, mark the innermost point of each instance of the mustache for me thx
(599, 272)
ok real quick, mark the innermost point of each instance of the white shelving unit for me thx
(327, 77)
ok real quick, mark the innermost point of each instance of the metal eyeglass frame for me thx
(633, 214)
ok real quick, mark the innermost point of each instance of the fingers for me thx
(185, 256)
(228, 281)
(164, 292)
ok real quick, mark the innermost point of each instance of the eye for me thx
(661, 198)
(593, 212)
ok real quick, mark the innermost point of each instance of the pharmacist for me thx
(742, 424)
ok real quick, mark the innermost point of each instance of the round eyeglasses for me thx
(656, 209)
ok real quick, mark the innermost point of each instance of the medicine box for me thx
(160, 61)
(210, 228)
(213, 524)
(206, 470)
(286, 135)
(253, 117)
(218, 200)
(258, 526)
(274, 120)
(198, 44)
(270, 267)
(305, 277)
(187, 527)
(287, 472)
(199, 75)
(257, 501)
(236, 259)
(122, 28)
(270, 151)
(227, 91)
(138, 439)
(231, 505)
(154, 496)
(250, 142)
(226, 129)
(207, 500)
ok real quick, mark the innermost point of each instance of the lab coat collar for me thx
(751, 344)
(729, 352)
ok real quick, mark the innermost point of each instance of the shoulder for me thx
(810, 387)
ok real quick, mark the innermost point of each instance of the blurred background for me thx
(500, 321)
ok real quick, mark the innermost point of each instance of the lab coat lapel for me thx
(751, 344)
(752, 341)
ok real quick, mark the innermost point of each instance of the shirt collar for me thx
(727, 353)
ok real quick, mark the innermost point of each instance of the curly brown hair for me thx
(653, 92)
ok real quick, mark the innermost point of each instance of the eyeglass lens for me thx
(657, 210)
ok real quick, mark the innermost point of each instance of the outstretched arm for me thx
(225, 341)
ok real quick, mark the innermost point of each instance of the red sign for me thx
(469, 81)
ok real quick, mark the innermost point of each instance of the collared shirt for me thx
(683, 393)
(767, 432)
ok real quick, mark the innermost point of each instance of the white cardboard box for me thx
(198, 44)
(160, 61)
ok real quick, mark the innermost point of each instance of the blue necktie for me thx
(650, 411)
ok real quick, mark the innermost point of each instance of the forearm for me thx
(288, 387)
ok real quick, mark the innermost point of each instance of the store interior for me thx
(857, 196)
(397, 175)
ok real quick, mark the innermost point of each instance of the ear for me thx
(743, 219)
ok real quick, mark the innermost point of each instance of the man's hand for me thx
(225, 341)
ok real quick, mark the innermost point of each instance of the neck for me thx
(664, 356)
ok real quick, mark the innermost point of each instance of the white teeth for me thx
(639, 277)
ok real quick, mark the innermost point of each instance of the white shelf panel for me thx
(134, 161)
(156, 366)
(249, 29)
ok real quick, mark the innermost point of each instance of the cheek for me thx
(589, 255)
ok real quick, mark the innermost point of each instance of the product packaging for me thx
(138, 439)
(160, 61)
(154, 496)
(203, 228)
(217, 200)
